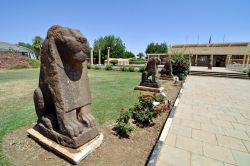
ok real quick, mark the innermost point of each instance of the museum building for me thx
(220, 54)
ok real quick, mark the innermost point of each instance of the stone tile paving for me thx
(211, 125)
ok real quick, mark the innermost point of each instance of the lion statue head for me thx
(71, 44)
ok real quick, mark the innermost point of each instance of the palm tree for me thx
(37, 44)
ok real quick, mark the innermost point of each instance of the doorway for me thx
(219, 61)
(202, 60)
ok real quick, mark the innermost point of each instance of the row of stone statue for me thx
(62, 100)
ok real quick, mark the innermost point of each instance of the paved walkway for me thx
(211, 125)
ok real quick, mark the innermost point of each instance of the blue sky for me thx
(137, 22)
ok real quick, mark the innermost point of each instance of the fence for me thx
(237, 67)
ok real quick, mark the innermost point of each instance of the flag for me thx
(210, 39)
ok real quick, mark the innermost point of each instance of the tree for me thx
(117, 47)
(37, 44)
(180, 63)
(128, 54)
(26, 45)
(157, 48)
(140, 55)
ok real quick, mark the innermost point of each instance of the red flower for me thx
(164, 107)
(158, 109)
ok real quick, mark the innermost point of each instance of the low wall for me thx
(237, 67)
(12, 59)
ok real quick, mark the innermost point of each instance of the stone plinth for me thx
(166, 78)
(74, 156)
(150, 84)
(149, 89)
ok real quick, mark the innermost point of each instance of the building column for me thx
(91, 56)
(244, 59)
(99, 56)
(190, 60)
(196, 58)
(212, 60)
(229, 58)
(108, 55)
(247, 59)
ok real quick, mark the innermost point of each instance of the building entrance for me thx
(202, 60)
(219, 60)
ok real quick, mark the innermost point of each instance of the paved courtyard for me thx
(211, 125)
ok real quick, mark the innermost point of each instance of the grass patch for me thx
(19, 67)
(110, 91)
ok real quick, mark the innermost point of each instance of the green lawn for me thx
(110, 91)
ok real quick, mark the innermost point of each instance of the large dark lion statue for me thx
(62, 100)
(151, 70)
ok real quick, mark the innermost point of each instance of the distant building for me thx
(7, 47)
(220, 54)
(121, 61)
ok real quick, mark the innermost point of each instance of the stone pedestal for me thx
(149, 89)
(167, 78)
(74, 156)
(150, 84)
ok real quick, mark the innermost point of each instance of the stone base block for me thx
(150, 84)
(74, 156)
(148, 89)
(75, 142)
(167, 78)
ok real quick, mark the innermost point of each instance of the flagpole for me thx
(224, 38)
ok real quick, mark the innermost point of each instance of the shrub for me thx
(136, 61)
(97, 67)
(247, 71)
(123, 68)
(141, 69)
(161, 108)
(181, 76)
(145, 111)
(108, 67)
(123, 129)
(126, 69)
(123, 126)
(114, 62)
(142, 113)
(180, 63)
(34, 63)
(158, 98)
(131, 69)
(89, 66)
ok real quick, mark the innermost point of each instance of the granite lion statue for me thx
(62, 100)
(150, 70)
(167, 70)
